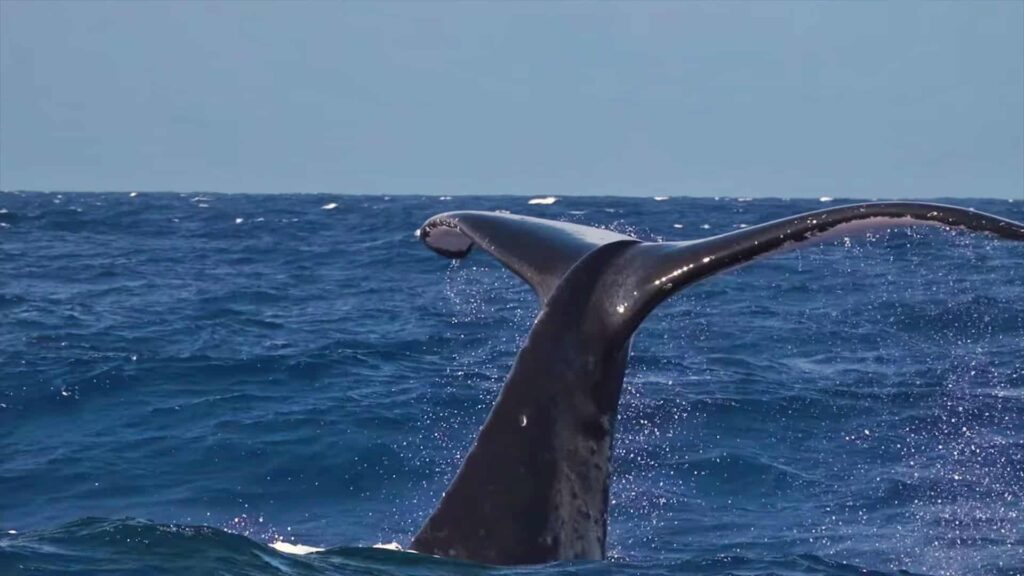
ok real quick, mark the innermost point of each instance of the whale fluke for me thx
(654, 271)
(534, 486)
(538, 251)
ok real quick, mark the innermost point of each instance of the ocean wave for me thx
(127, 546)
(320, 370)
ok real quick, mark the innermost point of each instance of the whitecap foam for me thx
(239, 220)
(826, 199)
(545, 200)
(329, 206)
(133, 194)
(661, 198)
(289, 548)
(677, 225)
(302, 549)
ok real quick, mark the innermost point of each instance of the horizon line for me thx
(822, 198)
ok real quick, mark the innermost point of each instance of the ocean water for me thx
(186, 378)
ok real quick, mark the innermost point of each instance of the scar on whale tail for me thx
(534, 486)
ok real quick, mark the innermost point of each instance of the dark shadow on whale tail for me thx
(534, 486)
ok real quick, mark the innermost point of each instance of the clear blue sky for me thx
(743, 99)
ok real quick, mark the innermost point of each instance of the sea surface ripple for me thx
(187, 378)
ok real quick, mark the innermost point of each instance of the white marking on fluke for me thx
(449, 239)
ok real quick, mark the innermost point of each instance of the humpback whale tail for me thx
(534, 486)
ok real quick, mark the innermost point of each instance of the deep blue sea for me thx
(186, 378)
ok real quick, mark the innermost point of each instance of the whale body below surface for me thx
(534, 486)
